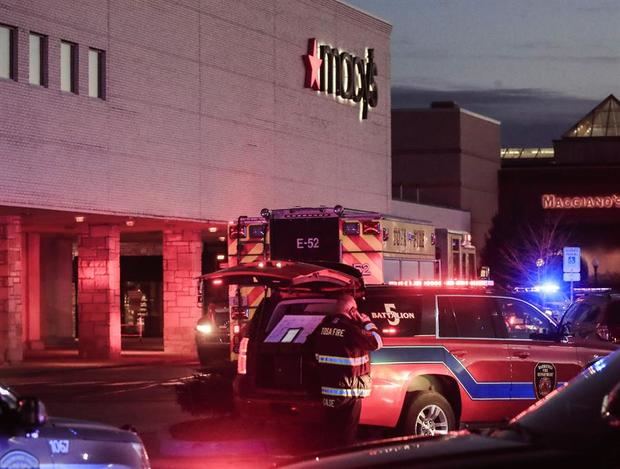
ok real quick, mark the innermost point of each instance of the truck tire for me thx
(429, 413)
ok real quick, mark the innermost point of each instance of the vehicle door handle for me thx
(459, 353)
(521, 354)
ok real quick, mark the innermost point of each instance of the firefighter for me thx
(342, 343)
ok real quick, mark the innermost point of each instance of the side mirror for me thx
(32, 412)
(610, 410)
(564, 331)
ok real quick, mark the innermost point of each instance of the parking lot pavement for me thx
(181, 423)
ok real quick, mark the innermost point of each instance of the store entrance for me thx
(142, 318)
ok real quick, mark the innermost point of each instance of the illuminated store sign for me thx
(552, 201)
(342, 74)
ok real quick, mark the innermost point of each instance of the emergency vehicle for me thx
(454, 353)
(382, 247)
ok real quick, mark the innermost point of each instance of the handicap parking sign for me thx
(572, 257)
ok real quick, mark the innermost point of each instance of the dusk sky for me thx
(537, 66)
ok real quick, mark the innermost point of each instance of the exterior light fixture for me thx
(130, 222)
(222, 238)
(221, 257)
(79, 219)
(212, 229)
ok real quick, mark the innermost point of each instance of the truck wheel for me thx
(429, 414)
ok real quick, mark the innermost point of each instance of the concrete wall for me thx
(425, 156)
(448, 156)
(206, 115)
(440, 217)
(480, 164)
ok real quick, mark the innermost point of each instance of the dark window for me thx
(394, 316)
(8, 52)
(456, 265)
(467, 316)
(522, 320)
(613, 313)
(580, 314)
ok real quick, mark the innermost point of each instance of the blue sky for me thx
(537, 66)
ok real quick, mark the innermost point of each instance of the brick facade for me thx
(11, 291)
(182, 262)
(206, 115)
(99, 292)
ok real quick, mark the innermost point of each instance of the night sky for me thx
(537, 66)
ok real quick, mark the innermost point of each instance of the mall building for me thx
(447, 156)
(132, 132)
(576, 183)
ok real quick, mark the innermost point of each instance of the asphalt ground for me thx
(183, 414)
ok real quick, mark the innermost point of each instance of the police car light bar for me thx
(439, 283)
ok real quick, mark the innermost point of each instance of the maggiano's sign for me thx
(552, 201)
(342, 74)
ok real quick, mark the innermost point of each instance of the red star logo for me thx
(313, 66)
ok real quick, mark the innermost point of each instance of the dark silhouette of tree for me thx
(515, 243)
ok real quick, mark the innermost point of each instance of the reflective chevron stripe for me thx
(343, 361)
(439, 354)
(344, 392)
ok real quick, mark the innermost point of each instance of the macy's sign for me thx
(342, 74)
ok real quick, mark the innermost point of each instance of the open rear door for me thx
(288, 275)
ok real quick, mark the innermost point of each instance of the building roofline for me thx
(452, 109)
(480, 116)
(361, 10)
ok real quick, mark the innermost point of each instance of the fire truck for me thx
(383, 248)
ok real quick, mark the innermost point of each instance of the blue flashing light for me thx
(547, 288)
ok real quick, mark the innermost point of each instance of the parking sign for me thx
(572, 256)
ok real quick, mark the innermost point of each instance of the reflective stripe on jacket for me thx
(342, 392)
(341, 349)
(344, 361)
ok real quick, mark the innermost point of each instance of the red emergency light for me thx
(236, 232)
(440, 283)
(371, 227)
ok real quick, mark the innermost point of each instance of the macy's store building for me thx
(131, 135)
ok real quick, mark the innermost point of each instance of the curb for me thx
(29, 369)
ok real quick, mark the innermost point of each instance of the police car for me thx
(30, 439)
(454, 354)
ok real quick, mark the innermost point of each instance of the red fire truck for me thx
(382, 247)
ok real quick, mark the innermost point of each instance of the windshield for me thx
(583, 313)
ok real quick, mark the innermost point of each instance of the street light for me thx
(539, 263)
(595, 264)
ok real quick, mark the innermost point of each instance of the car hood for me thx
(86, 430)
(412, 451)
(577, 405)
